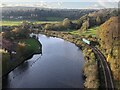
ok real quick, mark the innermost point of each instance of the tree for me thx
(48, 26)
(59, 26)
(98, 20)
(21, 50)
(67, 23)
(85, 26)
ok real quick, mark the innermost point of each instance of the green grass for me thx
(42, 22)
(31, 44)
(5, 65)
(74, 32)
(17, 23)
(91, 31)
(10, 23)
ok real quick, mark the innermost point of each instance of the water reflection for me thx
(59, 66)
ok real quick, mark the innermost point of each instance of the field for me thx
(16, 23)
(10, 23)
(91, 31)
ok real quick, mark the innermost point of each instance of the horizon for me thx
(62, 5)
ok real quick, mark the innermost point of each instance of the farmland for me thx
(16, 23)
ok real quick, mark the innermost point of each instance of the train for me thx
(91, 43)
(86, 41)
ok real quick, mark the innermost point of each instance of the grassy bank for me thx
(91, 31)
(32, 46)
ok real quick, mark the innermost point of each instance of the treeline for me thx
(85, 22)
(44, 14)
(66, 24)
(96, 18)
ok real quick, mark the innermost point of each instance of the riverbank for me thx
(25, 50)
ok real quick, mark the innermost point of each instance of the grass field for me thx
(91, 31)
(16, 23)
(10, 23)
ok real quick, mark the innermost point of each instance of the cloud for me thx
(39, 4)
(59, 3)
(62, 5)
(95, 6)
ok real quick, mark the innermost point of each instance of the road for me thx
(106, 69)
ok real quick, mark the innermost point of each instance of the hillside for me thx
(96, 18)
(109, 37)
(43, 14)
(85, 22)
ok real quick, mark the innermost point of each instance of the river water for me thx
(59, 66)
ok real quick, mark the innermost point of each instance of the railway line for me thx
(106, 69)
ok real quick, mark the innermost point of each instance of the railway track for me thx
(106, 70)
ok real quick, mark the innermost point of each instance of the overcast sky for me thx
(69, 4)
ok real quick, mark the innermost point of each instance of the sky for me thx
(63, 4)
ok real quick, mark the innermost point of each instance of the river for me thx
(59, 66)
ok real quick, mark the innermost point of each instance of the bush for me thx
(67, 23)
(90, 69)
(48, 26)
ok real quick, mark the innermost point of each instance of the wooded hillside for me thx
(109, 37)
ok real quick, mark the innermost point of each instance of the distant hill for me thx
(18, 8)
(44, 14)
(97, 17)
(104, 14)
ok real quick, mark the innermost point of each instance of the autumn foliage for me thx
(109, 36)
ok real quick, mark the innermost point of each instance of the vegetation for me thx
(89, 32)
(10, 23)
(66, 24)
(18, 46)
(25, 49)
(110, 45)
(19, 22)
(90, 69)
(5, 58)
(42, 14)
(27, 46)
